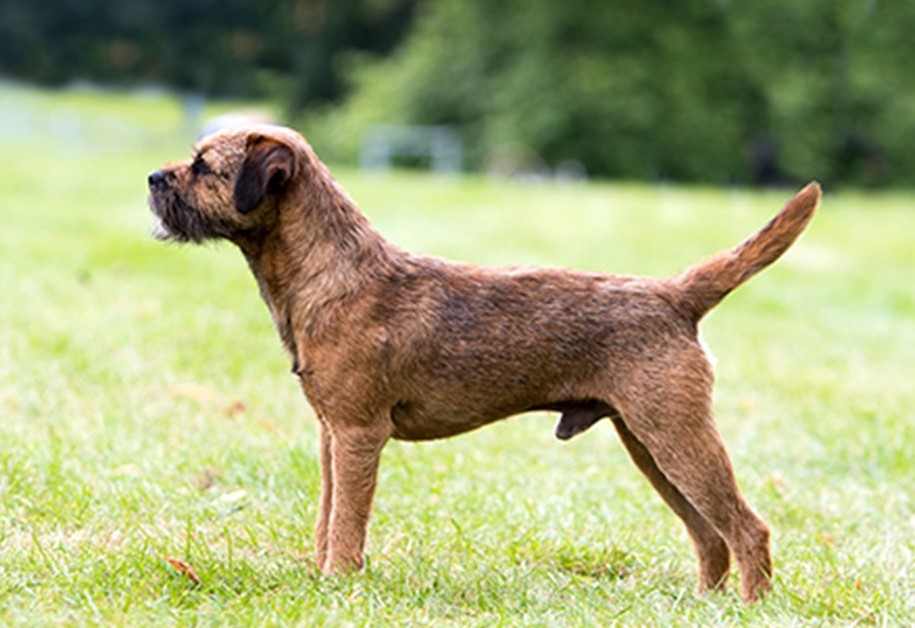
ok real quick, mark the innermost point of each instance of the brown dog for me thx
(388, 344)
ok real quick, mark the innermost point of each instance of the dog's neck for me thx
(317, 256)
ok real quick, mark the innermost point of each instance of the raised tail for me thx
(702, 286)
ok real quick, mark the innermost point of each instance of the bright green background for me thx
(146, 409)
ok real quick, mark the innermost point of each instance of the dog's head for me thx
(231, 186)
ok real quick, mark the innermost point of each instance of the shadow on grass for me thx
(583, 561)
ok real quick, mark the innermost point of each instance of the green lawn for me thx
(147, 410)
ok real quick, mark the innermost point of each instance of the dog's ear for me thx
(269, 165)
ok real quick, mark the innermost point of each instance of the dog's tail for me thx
(702, 286)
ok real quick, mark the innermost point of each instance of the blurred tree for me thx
(720, 91)
(285, 48)
(698, 90)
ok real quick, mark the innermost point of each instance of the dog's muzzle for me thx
(174, 219)
(158, 183)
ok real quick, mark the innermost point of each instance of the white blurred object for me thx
(440, 144)
(235, 120)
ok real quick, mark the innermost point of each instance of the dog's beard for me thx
(159, 230)
(177, 221)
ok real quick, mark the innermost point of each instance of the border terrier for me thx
(391, 344)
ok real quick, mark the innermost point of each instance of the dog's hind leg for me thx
(710, 547)
(355, 455)
(675, 425)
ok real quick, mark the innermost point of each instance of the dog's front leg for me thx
(327, 494)
(355, 453)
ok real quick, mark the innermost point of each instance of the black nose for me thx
(156, 179)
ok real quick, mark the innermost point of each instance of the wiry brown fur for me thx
(389, 344)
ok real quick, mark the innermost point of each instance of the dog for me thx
(391, 344)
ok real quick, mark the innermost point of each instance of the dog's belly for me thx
(412, 422)
(577, 415)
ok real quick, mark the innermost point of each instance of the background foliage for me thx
(722, 91)
(249, 48)
(699, 90)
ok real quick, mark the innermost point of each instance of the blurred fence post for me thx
(383, 143)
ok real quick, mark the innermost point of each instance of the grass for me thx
(147, 410)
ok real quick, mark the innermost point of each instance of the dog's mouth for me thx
(177, 221)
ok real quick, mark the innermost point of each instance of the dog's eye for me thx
(199, 167)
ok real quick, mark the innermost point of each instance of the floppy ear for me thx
(268, 167)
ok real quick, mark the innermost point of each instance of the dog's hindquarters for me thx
(667, 425)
